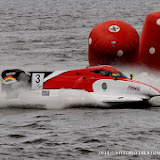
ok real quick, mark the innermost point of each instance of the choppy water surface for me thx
(52, 34)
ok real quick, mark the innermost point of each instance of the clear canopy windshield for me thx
(109, 74)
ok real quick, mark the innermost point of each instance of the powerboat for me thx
(104, 83)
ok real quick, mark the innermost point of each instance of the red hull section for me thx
(78, 79)
(84, 78)
(111, 42)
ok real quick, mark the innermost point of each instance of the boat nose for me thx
(154, 92)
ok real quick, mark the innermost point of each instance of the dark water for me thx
(52, 34)
(78, 133)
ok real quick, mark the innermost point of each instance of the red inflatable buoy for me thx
(113, 41)
(149, 49)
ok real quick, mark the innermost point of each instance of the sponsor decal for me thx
(104, 86)
(10, 73)
(45, 93)
(113, 42)
(8, 79)
(114, 28)
(134, 88)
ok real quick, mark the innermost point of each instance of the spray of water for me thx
(59, 100)
(146, 75)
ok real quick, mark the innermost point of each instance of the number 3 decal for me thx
(37, 80)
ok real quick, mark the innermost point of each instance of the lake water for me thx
(53, 35)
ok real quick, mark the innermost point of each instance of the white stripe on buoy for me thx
(152, 50)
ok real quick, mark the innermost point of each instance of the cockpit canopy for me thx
(109, 73)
